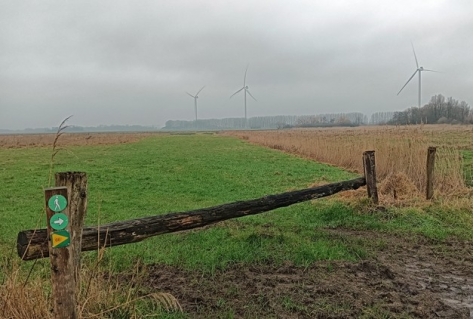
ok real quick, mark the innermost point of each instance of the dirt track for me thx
(405, 278)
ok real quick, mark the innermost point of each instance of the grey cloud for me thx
(131, 62)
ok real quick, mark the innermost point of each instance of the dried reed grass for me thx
(400, 152)
(20, 300)
(105, 296)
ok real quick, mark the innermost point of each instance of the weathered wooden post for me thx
(66, 206)
(430, 164)
(370, 177)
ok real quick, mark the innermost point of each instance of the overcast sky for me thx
(132, 62)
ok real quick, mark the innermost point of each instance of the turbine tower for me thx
(246, 90)
(419, 69)
(195, 102)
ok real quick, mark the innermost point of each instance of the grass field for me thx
(157, 174)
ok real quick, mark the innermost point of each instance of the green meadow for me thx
(175, 173)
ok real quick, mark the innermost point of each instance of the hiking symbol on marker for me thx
(57, 203)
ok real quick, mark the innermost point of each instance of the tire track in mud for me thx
(442, 270)
(447, 279)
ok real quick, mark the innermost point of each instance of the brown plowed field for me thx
(69, 139)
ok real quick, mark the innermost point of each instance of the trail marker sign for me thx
(58, 221)
(57, 203)
(60, 239)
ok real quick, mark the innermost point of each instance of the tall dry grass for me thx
(399, 151)
(102, 295)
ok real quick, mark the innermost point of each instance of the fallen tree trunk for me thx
(33, 244)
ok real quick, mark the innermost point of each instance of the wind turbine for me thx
(246, 90)
(195, 101)
(419, 69)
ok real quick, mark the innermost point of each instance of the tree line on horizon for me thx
(439, 110)
(270, 122)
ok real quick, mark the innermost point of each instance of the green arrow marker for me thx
(57, 203)
(60, 239)
(58, 221)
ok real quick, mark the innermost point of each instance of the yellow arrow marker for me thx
(60, 239)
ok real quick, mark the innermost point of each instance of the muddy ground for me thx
(405, 277)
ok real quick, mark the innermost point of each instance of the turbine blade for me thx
(407, 81)
(431, 70)
(416, 60)
(245, 75)
(251, 95)
(200, 90)
(190, 94)
(237, 92)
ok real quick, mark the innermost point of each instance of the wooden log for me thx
(370, 177)
(131, 231)
(430, 165)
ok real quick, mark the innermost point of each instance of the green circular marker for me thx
(57, 203)
(58, 221)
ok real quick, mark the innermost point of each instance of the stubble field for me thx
(333, 258)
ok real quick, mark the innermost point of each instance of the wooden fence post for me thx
(430, 164)
(370, 177)
(66, 207)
